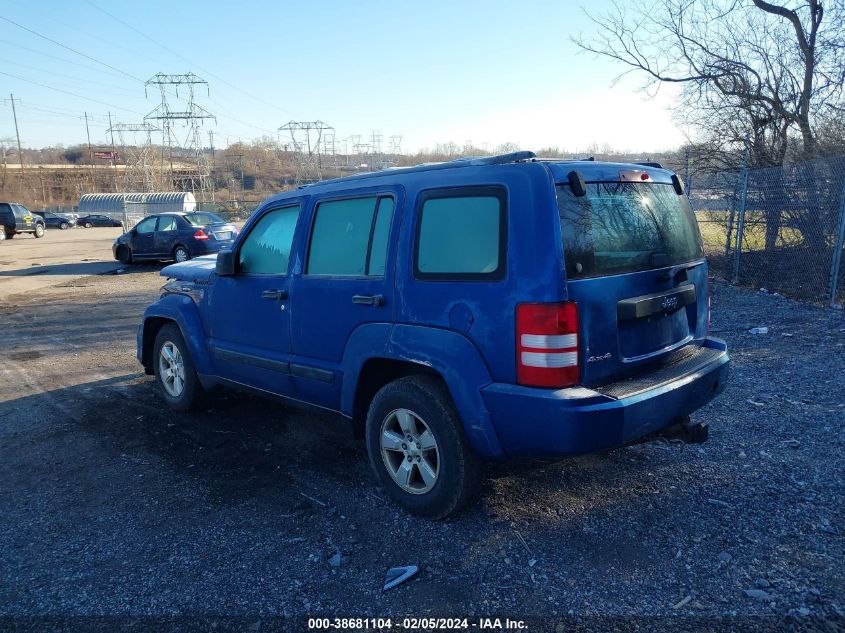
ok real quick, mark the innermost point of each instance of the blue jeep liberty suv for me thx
(457, 312)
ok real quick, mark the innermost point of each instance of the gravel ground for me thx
(112, 505)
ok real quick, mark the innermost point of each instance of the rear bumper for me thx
(581, 420)
(208, 247)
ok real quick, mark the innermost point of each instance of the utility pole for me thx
(113, 152)
(90, 154)
(17, 132)
(211, 166)
(88, 134)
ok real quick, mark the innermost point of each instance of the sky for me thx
(433, 72)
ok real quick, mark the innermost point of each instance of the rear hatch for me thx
(635, 267)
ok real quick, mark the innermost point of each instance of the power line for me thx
(65, 60)
(56, 112)
(183, 58)
(72, 50)
(67, 92)
(72, 78)
(124, 73)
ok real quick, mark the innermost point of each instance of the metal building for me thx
(130, 208)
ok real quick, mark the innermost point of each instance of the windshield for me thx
(620, 227)
(202, 219)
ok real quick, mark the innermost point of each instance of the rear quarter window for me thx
(461, 234)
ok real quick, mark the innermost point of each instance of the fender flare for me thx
(183, 311)
(450, 354)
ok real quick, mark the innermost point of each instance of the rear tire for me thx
(124, 255)
(435, 472)
(2, 234)
(181, 254)
(174, 370)
(39, 230)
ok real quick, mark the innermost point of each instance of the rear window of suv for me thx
(621, 227)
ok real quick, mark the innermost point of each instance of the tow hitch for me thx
(684, 431)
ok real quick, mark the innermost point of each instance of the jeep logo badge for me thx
(669, 303)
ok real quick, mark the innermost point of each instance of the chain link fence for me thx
(129, 213)
(779, 228)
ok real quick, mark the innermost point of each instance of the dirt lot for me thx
(112, 505)
(28, 263)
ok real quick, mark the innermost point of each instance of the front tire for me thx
(174, 370)
(418, 449)
(124, 255)
(64, 226)
(39, 230)
(87, 225)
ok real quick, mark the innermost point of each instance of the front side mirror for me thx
(225, 263)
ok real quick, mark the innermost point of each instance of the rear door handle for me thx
(368, 300)
(274, 295)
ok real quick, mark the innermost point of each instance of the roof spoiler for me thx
(576, 183)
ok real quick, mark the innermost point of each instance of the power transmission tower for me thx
(306, 142)
(190, 116)
(331, 159)
(139, 157)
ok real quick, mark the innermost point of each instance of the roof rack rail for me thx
(587, 159)
(499, 159)
(469, 161)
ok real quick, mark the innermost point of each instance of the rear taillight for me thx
(200, 235)
(547, 344)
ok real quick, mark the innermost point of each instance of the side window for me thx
(20, 212)
(350, 236)
(266, 250)
(167, 223)
(145, 226)
(461, 234)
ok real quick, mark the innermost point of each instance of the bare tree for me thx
(759, 68)
(752, 71)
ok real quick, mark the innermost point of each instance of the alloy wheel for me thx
(171, 368)
(409, 451)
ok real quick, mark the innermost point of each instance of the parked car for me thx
(55, 220)
(471, 310)
(97, 220)
(16, 218)
(177, 236)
